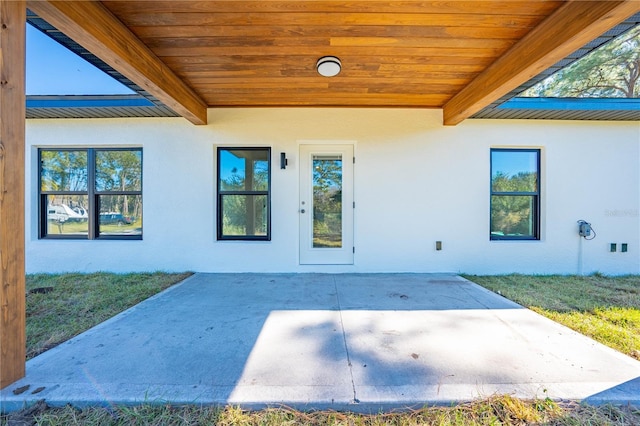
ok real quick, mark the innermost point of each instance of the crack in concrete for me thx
(344, 339)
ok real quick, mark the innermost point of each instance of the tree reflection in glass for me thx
(243, 182)
(514, 189)
(119, 171)
(327, 201)
(63, 171)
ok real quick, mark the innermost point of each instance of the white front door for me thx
(326, 204)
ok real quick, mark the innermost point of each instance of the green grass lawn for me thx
(68, 304)
(607, 309)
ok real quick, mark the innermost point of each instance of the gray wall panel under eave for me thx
(535, 114)
(102, 112)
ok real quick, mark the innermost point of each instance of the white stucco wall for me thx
(416, 182)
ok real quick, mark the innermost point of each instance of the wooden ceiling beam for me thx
(95, 28)
(569, 28)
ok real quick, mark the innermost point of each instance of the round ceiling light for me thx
(328, 66)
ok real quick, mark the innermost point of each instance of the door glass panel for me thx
(327, 201)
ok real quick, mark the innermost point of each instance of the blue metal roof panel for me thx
(573, 104)
(87, 101)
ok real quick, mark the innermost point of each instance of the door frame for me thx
(309, 255)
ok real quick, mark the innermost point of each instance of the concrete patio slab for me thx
(361, 342)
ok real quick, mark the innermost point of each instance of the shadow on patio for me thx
(359, 342)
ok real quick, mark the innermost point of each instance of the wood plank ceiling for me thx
(393, 53)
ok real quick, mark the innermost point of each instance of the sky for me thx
(54, 70)
(511, 163)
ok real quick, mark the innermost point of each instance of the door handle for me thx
(301, 210)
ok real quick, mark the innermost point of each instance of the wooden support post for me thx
(12, 172)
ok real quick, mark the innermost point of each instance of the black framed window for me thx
(244, 200)
(90, 193)
(515, 194)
